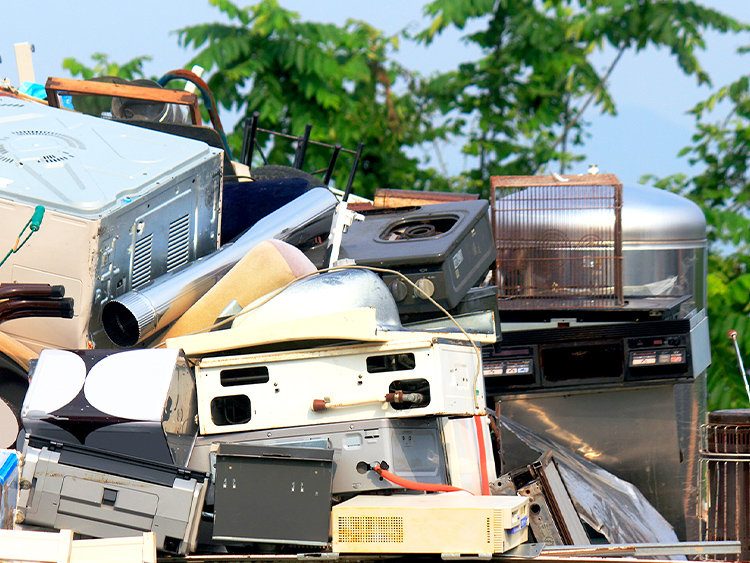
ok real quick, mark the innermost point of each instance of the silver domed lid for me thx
(648, 214)
(653, 215)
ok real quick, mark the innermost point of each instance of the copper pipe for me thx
(26, 290)
(19, 308)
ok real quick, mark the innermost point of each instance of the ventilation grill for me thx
(4, 155)
(40, 133)
(371, 529)
(142, 262)
(5, 104)
(52, 158)
(178, 246)
(497, 540)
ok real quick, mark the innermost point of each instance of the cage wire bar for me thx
(725, 463)
(558, 241)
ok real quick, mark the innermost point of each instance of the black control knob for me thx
(398, 289)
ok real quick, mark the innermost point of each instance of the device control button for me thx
(398, 289)
(426, 286)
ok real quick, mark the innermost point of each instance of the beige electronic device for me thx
(446, 523)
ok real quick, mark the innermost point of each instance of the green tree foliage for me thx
(720, 151)
(338, 79)
(103, 67)
(520, 105)
(518, 108)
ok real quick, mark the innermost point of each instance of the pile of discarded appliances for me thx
(249, 361)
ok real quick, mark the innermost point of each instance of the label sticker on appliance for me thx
(458, 257)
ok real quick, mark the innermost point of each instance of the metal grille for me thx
(178, 245)
(40, 133)
(495, 539)
(3, 155)
(53, 158)
(371, 529)
(142, 261)
(725, 460)
(558, 241)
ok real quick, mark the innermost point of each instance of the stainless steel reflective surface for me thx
(647, 436)
(135, 315)
(660, 217)
(664, 249)
(664, 246)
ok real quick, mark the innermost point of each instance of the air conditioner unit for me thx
(447, 523)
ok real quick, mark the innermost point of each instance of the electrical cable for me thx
(33, 225)
(414, 486)
(266, 298)
(484, 477)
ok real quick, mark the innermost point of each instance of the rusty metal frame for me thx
(581, 271)
(56, 87)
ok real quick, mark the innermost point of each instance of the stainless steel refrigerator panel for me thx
(631, 432)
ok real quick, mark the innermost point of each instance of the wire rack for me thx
(725, 495)
(558, 240)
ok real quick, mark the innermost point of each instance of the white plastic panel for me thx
(77, 163)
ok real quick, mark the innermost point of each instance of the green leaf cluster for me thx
(520, 106)
(720, 151)
(518, 109)
(96, 105)
(341, 80)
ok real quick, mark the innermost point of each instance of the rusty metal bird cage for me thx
(558, 240)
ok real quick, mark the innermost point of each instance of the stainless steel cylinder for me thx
(130, 318)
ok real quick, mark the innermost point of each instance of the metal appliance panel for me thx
(277, 390)
(449, 250)
(631, 432)
(82, 165)
(292, 485)
(412, 447)
(107, 495)
(123, 206)
(452, 524)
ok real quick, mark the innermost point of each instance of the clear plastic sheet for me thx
(613, 507)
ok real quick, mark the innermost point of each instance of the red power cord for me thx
(413, 485)
(485, 480)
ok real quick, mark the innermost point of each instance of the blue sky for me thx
(652, 95)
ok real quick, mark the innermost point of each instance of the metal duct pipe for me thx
(130, 318)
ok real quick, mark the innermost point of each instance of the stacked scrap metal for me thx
(349, 402)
